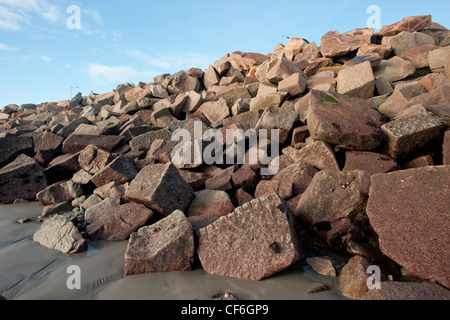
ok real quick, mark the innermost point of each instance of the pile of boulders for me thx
(360, 163)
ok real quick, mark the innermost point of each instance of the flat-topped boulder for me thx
(76, 143)
(351, 123)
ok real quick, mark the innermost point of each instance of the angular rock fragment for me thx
(58, 233)
(357, 81)
(256, 241)
(334, 205)
(394, 69)
(300, 174)
(121, 170)
(353, 278)
(409, 24)
(407, 291)
(165, 246)
(65, 191)
(12, 147)
(351, 123)
(411, 137)
(336, 45)
(117, 223)
(409, 211)
(318, 154)
(369, 161)
(161, 188)
(93, 159)
(283, 188)
(210, 202)
(21, 179)
(76, 143)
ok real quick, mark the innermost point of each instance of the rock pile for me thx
(360, 162)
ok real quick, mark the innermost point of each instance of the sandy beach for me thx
(29, 271)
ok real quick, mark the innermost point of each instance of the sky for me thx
(52, 49)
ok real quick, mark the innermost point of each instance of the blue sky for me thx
(41, 59)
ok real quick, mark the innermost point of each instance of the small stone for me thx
(323, 266)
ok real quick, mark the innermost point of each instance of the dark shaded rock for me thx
(351, 123)
(334, 206)
(21, 179)
(408, 210)
(77, 143)
(12, 147)
(368, 161)
(65, 191)
(117, 223)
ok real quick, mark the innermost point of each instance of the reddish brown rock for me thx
(408, 210)
(419, 55)
(62, 168)
(351, 123)
(405, 41)
(368, 161)
(195, 179)
(93, 159)
(199, 222)
(58, 233)
(409, 24)
(241, 197)
(353, 278)
(336, 45)
(400, 99)
(65, 191)
(117, 223)
(244, 61)
(334, 205)
(322, 265)
(121, 170)
(283, 188)
(12, 147)
(210, 202)
(300, 174)
(21, 179)
(404, 291)
(48, 147)
(111, 190)
(246, 178)
(76, 143)
(318, 154)
(294, 85)
(446, 149)
(394, 69)
(256, 241)
(420, 162)
(314, 65)
(433, 81)
(280, 69)
(165, 246)
(221, 181)
(277, 118)
(161, 188)
(410, 137)
(357, 81)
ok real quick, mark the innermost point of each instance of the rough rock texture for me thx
(368, 161)
(165, 246)
(121, 170)
(319, 154)
(334, 205)
(76, 143)
(210, 202)
(118, 222)
(351, 123)
(338, 45)
(357, 81)
(21, 179)
(59, 192)
(58, 233)
(409, 24)
(300, 174)
(353, 278)
(12, 147)
(256, 241)
(93, 159)
(412, 136)
(161, 188)
(409, 212)
(403, 291)
(323, 266)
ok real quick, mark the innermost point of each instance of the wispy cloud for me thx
(14, 14)
(115, 74)
(172, 61)
(5, 47)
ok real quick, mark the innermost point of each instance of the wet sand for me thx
(29, 271)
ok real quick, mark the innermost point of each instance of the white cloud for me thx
(14, 14)
(94, 15)
(172, 61)
(45, 58)
(5, 47)
(115, 74)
